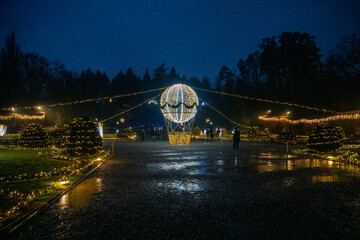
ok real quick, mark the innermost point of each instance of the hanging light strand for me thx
(268, 101)
(87, 100)
(227, 118)
(129, 109)
(352, 116)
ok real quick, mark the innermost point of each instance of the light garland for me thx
(129, 109)
(19, 116)
(227, 118)
(11, 212)
(352, 116)
(110, 98)
(267, 100)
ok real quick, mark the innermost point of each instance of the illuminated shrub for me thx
(325, 138)
(126, 133)
(286, 137)
(33, 136)
(196, 131)
(252, 134)
(83, 137)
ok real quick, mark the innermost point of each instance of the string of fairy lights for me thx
(339, 116)
(129, 109)
(268, 101)
(285, 119)
(227, 118)
(23, 199)
(76, 167)
(61, 104)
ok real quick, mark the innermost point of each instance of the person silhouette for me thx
(236, 138)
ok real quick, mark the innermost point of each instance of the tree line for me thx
(288, 67)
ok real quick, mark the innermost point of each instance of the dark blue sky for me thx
(197, 37)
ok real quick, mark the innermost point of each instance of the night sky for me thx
(197, 37)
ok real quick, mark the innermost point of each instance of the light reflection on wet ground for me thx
(81, 194)
(206, 191)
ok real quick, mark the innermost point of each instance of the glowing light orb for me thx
(2, 130)
(179, 103)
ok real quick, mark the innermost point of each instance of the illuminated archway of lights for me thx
(179, 103)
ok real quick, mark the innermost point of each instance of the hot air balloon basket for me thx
(179, 138)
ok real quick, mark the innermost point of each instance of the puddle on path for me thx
(80, 195)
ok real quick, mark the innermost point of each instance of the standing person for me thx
(153, 135)
(142, 135)
(236, 138)
(218, 133)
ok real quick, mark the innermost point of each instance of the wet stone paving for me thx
(206, 190)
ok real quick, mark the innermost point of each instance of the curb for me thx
(26, 217)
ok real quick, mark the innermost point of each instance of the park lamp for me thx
(288, 112)
(38, 107)
(13, 109)
(269, 111)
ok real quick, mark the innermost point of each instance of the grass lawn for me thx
(20, 196)
(15, 162)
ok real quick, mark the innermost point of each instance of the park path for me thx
(205, 190)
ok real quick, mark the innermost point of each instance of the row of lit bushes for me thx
(80, 137)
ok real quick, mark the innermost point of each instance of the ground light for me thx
(63, 181)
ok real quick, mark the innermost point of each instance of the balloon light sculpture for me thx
(179, 105)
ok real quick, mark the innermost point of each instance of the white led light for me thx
(179, 103)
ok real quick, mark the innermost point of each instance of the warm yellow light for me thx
(179, 103)
(39, 108)
(98, 159)
(269, 111)
(64, 181)
(330, 157)
(12, 109)
(207, 120)
(122, 120)
(11, 116)
(288, 112)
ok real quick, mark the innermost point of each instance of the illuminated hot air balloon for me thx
(179, 105)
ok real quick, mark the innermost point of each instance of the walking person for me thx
(236, 138)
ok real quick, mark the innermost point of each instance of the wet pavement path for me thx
(206, 191)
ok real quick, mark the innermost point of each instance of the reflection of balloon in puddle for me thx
(81, 194)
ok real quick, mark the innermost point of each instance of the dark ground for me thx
(206, 191)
